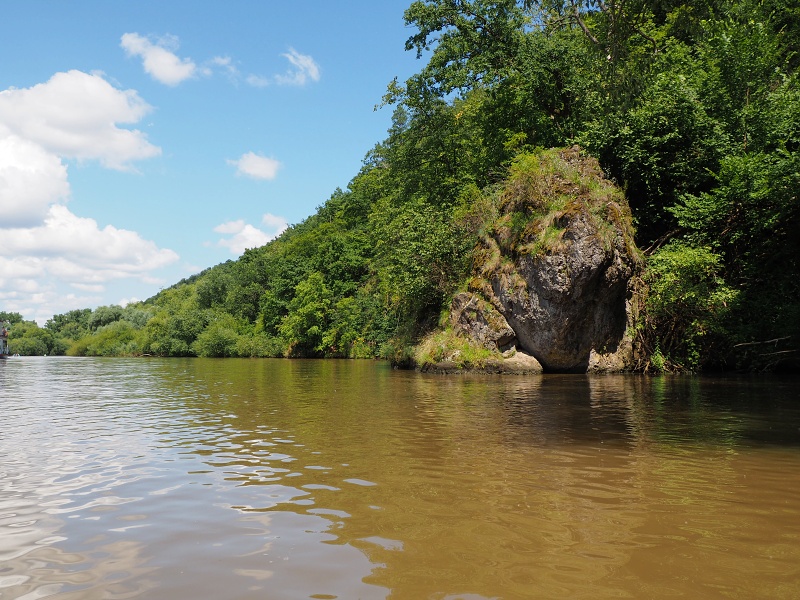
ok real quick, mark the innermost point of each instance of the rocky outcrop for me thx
(473, 317)
(512, 362)
(554, 271)
(572, 301)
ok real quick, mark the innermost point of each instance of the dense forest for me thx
(691, 108)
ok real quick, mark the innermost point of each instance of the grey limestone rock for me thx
(563, 283)
(472, 316)
(573, 301)
(517, 363)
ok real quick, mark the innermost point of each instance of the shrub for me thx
(685, 308)
(447, 346)
(217, 340)
(260, 345)
(115, 339)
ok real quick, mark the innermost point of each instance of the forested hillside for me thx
(692, 108)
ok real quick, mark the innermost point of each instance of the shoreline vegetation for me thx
(691, 110)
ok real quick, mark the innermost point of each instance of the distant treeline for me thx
(691, 107)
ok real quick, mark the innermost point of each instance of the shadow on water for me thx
(565, 409)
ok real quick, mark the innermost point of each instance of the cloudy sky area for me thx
(144, 142)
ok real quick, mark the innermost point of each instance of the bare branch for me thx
(584, 28)
(775, 341)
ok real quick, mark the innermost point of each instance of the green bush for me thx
(115, 339)
(28, 339)
(259, 346)
(447, 346)
(28, 347)
(686, 307)
(218, 340)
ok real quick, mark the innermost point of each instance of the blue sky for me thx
(141, 142)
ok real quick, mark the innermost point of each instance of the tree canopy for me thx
(692, 108)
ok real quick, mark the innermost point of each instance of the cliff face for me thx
(554, 270)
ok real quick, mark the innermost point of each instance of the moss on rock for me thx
(552, 270)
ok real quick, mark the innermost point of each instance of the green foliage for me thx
(27, 346)
(103, 315)
(219, 339)
(445, 345)
(114, 339)
(658, 362)
(137, 315)
(691, 107)
(686, 306)
(664, 146)
(422, 256)
(304, 327)
(172, 332)
(10, 317)
(212, 289)
(752, 219)
(258, 345)
(26, 338)
(473, 42)
(71, 325)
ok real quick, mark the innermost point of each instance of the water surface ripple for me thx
(276, 479)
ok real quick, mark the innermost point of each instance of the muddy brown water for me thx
(277, 479)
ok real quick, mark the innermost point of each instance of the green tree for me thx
(662, 148)
(212, 288)
(304, 326)
(103, 315)
(28, 339)
(10, 317)
(71, 325)
(116, 338)
(219, 339)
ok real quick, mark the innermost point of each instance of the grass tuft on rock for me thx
(446, 346)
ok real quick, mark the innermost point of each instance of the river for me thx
(287, 479)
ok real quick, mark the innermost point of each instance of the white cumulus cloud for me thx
(275, 225)
(76, 115)
(125, 301)
(45, 248)
(31, 179)
(73, 251)
(256, 166)
(244, 235)
(70, 239)
(303, 69)
(158, 59)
